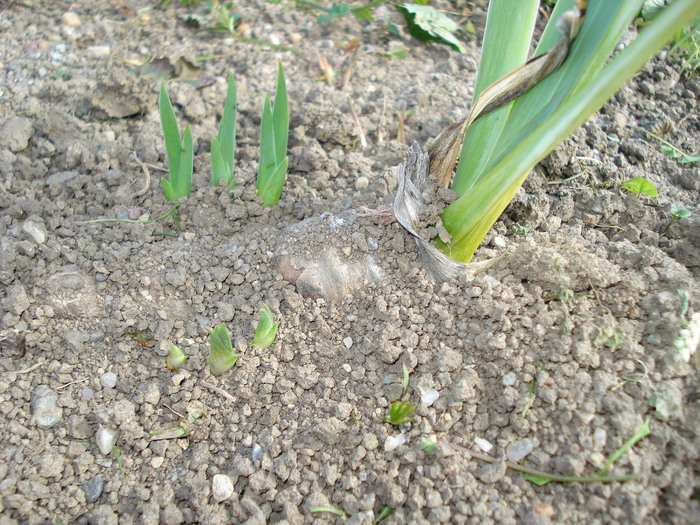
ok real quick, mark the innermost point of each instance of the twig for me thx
(218, 390)
(72, 383)
(547, 475)
(147, 173)
(363, 138)
(31, 368)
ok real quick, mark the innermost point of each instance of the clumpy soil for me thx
(576, 320)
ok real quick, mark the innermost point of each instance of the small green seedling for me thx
(179, 151)
(274, 131)
(178, 429)
(405, 380)
(338, 512)
(400, 412)
(677, 213)
(530, 399)
(221, 354)
(176, 358)
(223, 146)
(643, 431)
(383, 514)
(639, 185)
(428, 445)
(266, 331)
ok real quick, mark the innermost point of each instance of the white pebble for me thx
(106, 438)
(70, 19)
(519, 449)
(430, 397)
(109, 380)
(483, 444)
(361, 183)
(221, 487)
(498, 242)
(509, 379)
(347, 342)
(392, 443)
(98, 51)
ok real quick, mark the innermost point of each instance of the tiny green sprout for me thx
(266, 331)
(642, 432)
(223, 146)
(383, 514)
(338, 512)
(405, 380)
(118, 457)
(677, 213)
(639, 185)
(178, 429)
(428, 445)
(400, 412)
(179, 151)
(274, 131)
(221, 354)
(176, 358)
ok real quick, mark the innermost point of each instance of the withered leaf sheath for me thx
(445, 148)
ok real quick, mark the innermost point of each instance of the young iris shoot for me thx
(266, 331)
(274, 131)
(178, 149)
(176, 358)
(513, 125)
(223, 146)
(222, 357)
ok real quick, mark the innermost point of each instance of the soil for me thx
(576, 319)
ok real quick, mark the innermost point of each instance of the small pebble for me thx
(509, 379)
(70, 19)
(543, 509)
(93, 489)
(430, 397)
(157, 461)
(394, 442)
(361, 183)
(483, 444)
(88, 393)
(99, 51)
(45, 409)
(347, 342)
(498, 242)
(519, 449)
(106, 438)
(257, 453)
(221, 487)
(109, 380)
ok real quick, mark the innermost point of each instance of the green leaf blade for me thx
(171, 133)
(280, 116)
(268, 155)
(168, 190)
(183, 182)
(640, 185)
(272, 191)
(427, 23)
(227, 128)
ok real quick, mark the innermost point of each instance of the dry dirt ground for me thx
(577, 319)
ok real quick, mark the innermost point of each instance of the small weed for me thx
(266, 331)
(688, 340)
(333, 510)
(223, 146)
(221, 354)
(170, 213)
(686, 46)
(118, 457)
(609, 335)
(672, 151)
(274, 131)
(383, 514)
(400, 412)
(530, 400)
(225, 21)
(178, 429)
(179, 151)
(428, 445)
(639, 185)
(405, 380)
(643, 431)
(677, 213)
(144, 338)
